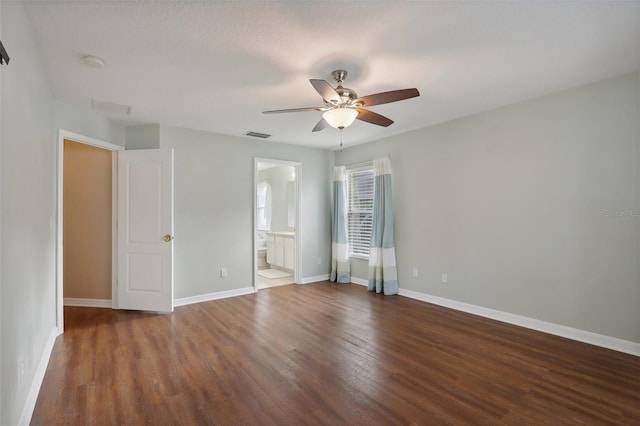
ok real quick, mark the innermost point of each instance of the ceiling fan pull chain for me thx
(341, 140)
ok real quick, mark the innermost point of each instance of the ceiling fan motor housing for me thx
(347, 95)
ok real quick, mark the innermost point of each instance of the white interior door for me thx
(145, 230)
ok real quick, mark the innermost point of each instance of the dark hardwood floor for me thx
(326, 354)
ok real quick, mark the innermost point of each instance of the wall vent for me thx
(258, 135)
(111, 108)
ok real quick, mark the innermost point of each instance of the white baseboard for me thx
(34, 390)
(315, 279)
(359, 281)
(614, 343)
(213, 296)
(87, 303)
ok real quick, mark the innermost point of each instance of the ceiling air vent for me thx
(258, 135)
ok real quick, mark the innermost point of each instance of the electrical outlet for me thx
(445, 279)
(223, 273)
(415, 272)
(319, 261)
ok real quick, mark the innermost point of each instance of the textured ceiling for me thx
(217, 65)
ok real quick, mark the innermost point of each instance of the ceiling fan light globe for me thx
(340, 118)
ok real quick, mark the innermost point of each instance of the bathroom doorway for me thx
(277, 216)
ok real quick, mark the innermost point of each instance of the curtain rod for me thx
(364, 163)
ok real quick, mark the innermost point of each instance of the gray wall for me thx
(87, 123)
(27, 202)
(214, 208)
(516, 206)
(29, 119)
(1, 317)
(142, 136)
(278, 177)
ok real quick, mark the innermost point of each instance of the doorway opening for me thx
(276, 225)
(84, 222)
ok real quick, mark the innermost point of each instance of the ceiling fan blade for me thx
(387, 97)
(373, 118)
(327, 92)
(321, 125)
(277, 111)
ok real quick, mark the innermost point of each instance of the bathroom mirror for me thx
(291, 204)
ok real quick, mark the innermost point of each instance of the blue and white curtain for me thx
(383, 275)
(340, 265)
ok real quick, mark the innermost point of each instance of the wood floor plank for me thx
(326, 354)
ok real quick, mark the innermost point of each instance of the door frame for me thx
(297, 167)
(86, 140)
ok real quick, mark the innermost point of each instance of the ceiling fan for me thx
(342, 105)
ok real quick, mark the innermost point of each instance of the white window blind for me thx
(360, 211)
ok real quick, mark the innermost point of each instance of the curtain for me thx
(340, 266)
(383, 275)
(268, 206)
(263, 194)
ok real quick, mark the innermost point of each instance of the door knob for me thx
(167, 238)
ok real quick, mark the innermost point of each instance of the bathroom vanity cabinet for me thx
(281, 249)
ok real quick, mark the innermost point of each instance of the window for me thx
(360, 210)
(263, 206)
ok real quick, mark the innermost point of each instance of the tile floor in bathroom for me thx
(263, 282)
